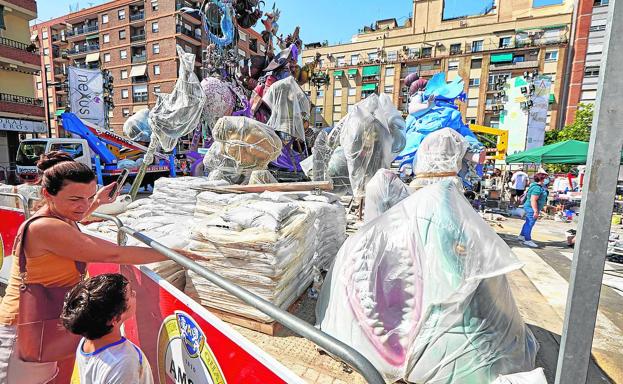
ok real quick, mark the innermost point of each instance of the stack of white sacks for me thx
(267, 243)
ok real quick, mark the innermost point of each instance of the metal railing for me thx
(327, 342)
(83, 48)
(139, 58)
(139, 37)
(140, 98)
(137, 16)
(184, 31)
(9, 98)
(22, 199)
(83, 30)
(30, 48)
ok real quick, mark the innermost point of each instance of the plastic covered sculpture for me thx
(371, 136)
(383, 191)
(220, 99)
(136, 127)
(178, 113)
(289, 107)
(432, 109)
(420, 291)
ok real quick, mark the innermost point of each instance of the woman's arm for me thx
(60, 238)
(534, 203)
(102, 197)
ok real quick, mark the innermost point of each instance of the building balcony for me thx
(139, 79)
(137, 38)
(139, 58)
(28, 5)
(21, 105)
(21, 52)
(138, 16)
(59, 72)
(83, 49)
(514, 65)
(140, 98)
(186, 32)
(188, 4)
(82, 30)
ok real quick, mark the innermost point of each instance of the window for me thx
(242, 53)
(123, 54)
(591, 72)
(39, 86)
(519, 58)
(598, 3)
(320, 93)
(389, 89)
(352, 91)
(106, 57)
(157, 89)
(505, 42)
(597, 28)
(588, 96)
(124, 74)
(122, 34)
(350, 107)
(124, 93)
(373, 56)
(472, 102)
(73, 149)
(46, 51)
(47, 67)
(154, 5)
(551, 55)
(318, 124)
(154, 27)
(243, 36)
(337, 108)
(474, 82)
(106, 38)
(392, 55)
(498, 78)
(354, 59)
(157, 69)
(319, 110)
(155, 48)
(427, 51)
(125, 112)
(104, 19)
(389, 71)
(44, 34)
(476, 64)
(121, 14)
(477, 46)
(471, 120)
(337, 92)
(453, 65)
(455, 49)
(340, 61)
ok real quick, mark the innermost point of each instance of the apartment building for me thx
(506, 40)
(21, 113)
(590, 32)
(133, 39)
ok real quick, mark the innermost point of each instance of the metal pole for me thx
(332, 345)
(604, 155)
(566, 75)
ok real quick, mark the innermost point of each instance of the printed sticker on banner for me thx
(184, 356)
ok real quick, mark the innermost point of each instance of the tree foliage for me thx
(580, 130)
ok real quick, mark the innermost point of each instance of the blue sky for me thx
(333, 20)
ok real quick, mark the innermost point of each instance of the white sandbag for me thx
(536, 376)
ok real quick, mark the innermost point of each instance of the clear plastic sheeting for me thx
(337, 171)
(136, 127)
(533, 377)
(421, 292)
(321, 154)
(372, 136)
(249, 143)
(220, 99)
(262, 177)
(289, 107)
(178, 113)
(383, 191)
(29, 191)
(440, 157)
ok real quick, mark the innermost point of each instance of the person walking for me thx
(51, 253)
(519, 181)
(536, 196)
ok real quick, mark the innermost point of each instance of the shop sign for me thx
(22, 125)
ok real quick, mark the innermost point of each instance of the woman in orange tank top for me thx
(52, 247)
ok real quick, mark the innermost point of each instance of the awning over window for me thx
(552, 98)
(92, 57)
(371, 71)
(338, 74)
(59, 112)
(368, 87)
(138, 70)
(352, 72)
(502, 58)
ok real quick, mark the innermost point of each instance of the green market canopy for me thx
(565, 152)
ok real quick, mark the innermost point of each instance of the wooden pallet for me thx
(270, 329)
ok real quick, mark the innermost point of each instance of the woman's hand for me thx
(103, 195)
(536, 215)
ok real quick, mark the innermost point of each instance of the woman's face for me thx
(73, 200)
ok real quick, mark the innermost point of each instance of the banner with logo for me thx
(185, 343)
(537, 116)
(514, 118)
(86, 94)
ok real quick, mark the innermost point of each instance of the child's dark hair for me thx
(58, 167)
(92, 304)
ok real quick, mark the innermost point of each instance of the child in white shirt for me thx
(95, 309)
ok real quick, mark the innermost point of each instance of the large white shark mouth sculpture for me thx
(421, 292)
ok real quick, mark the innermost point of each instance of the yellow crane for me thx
(499, 152)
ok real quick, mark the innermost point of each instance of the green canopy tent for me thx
(565, 152)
